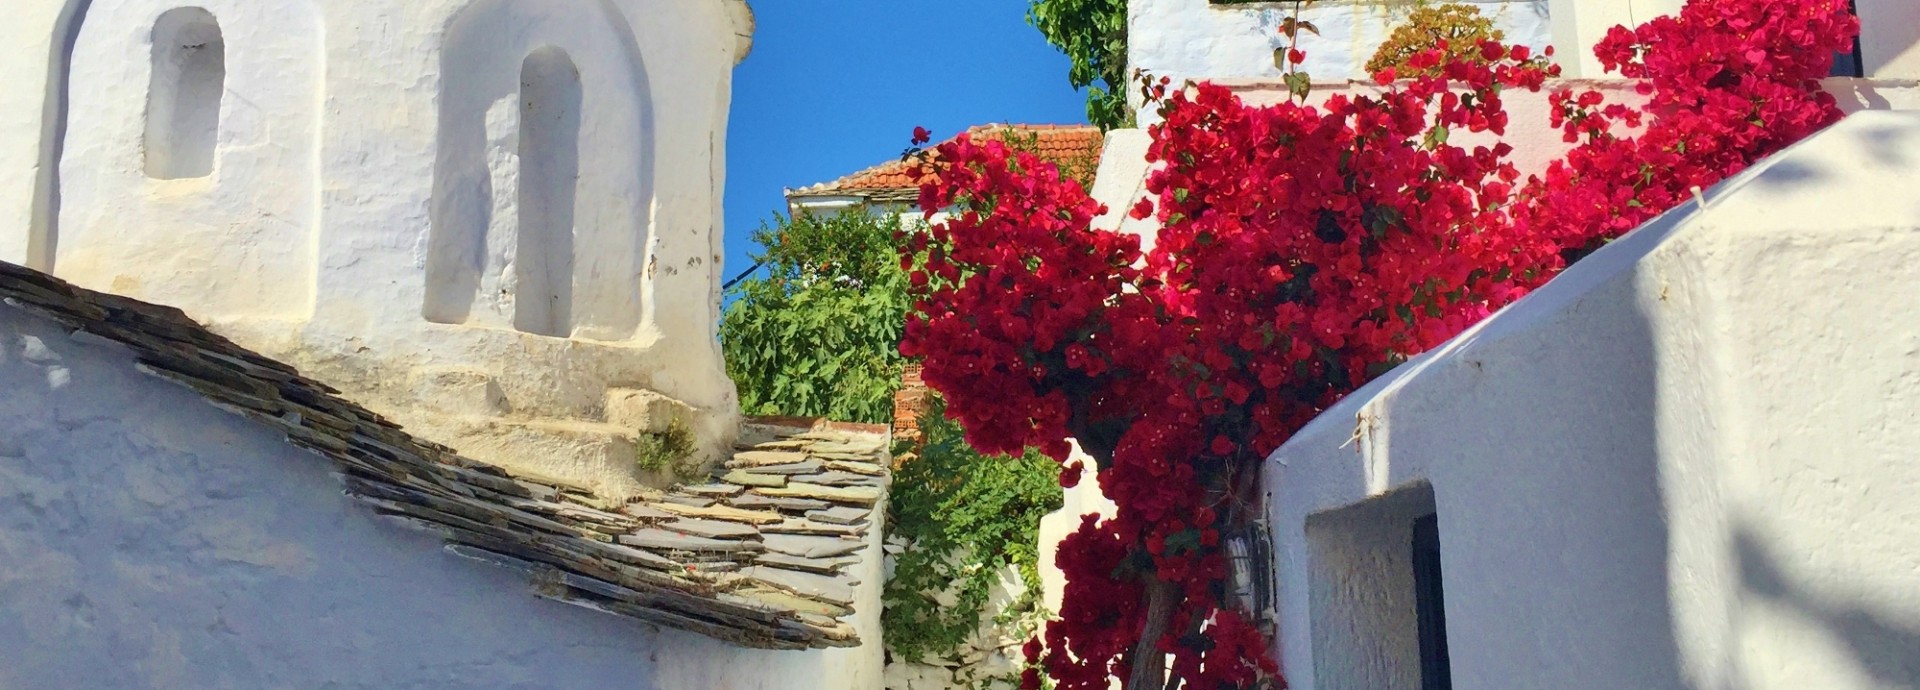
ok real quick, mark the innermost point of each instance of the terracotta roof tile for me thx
(1067, 145)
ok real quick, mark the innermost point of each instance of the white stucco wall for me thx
(1890, 38)
(150, 540)
(366, 216)
(1685, 463)
(1194, 39)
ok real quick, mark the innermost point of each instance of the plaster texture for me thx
(154, 541)
(1195, 39)
(1684, 463)
(1889, 38)
(490, 220)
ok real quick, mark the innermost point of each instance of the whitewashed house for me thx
(462, 255)
(1687, 463)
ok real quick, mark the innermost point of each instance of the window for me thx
(1849, 64)
(1430, 602)
(183, 97)
(1373, 593)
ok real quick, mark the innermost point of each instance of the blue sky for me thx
(833, 86)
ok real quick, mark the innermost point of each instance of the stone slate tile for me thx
(751, 517)
(841, 515)
(643, 512)
(811, 546)
(715, 529)
(806, 467)
(756, 458)
(840, 478)
(857, 495)
(800, 526)
(656, 538)
(715, 490)
(814, 586)
(746, 478)
(857, 468)
(762, 595)
(758, 502)
(823, 566)
(685, 500)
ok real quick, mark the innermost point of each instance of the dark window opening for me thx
(1848, 64)
(1436, 672)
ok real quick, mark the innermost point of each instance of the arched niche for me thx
(181, 154)
(189, 78)
(549, 148)
(543, 182)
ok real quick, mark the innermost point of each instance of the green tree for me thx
(966, 517)
(1093, 34)
(818, 332)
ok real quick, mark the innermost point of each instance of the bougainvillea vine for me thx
(1304, 248)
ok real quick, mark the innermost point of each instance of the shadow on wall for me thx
(44, 234)
(1884, 648)
(1597, 489)
(1783, 627)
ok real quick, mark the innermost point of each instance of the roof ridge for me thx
(707, 558)
(888, 181)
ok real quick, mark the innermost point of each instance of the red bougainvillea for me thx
(1302, 251)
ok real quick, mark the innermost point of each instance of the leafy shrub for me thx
(966, 516)
(818, 333)
(1461, 26)
(664, 450)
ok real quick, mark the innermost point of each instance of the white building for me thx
(1684, 464)
(476, 216)
(495, 223)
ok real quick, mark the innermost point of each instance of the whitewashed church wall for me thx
(1685, 463)
(30, 30)
(491, 220)
(152, 540)
(188, 173)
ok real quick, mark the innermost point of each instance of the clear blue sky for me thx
(834, 86)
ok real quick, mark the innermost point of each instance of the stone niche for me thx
(187, 173)
(451, 210)
(525, 217)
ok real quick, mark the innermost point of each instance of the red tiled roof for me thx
(1066, 145)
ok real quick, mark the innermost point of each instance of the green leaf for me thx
(1298, 83)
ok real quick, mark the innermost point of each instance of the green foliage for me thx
(818, 333)
(966, 516)
(665, 450)
(1460, 25)
(1093, 34)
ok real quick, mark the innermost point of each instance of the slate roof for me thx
(758, 557)
(1065, 145)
